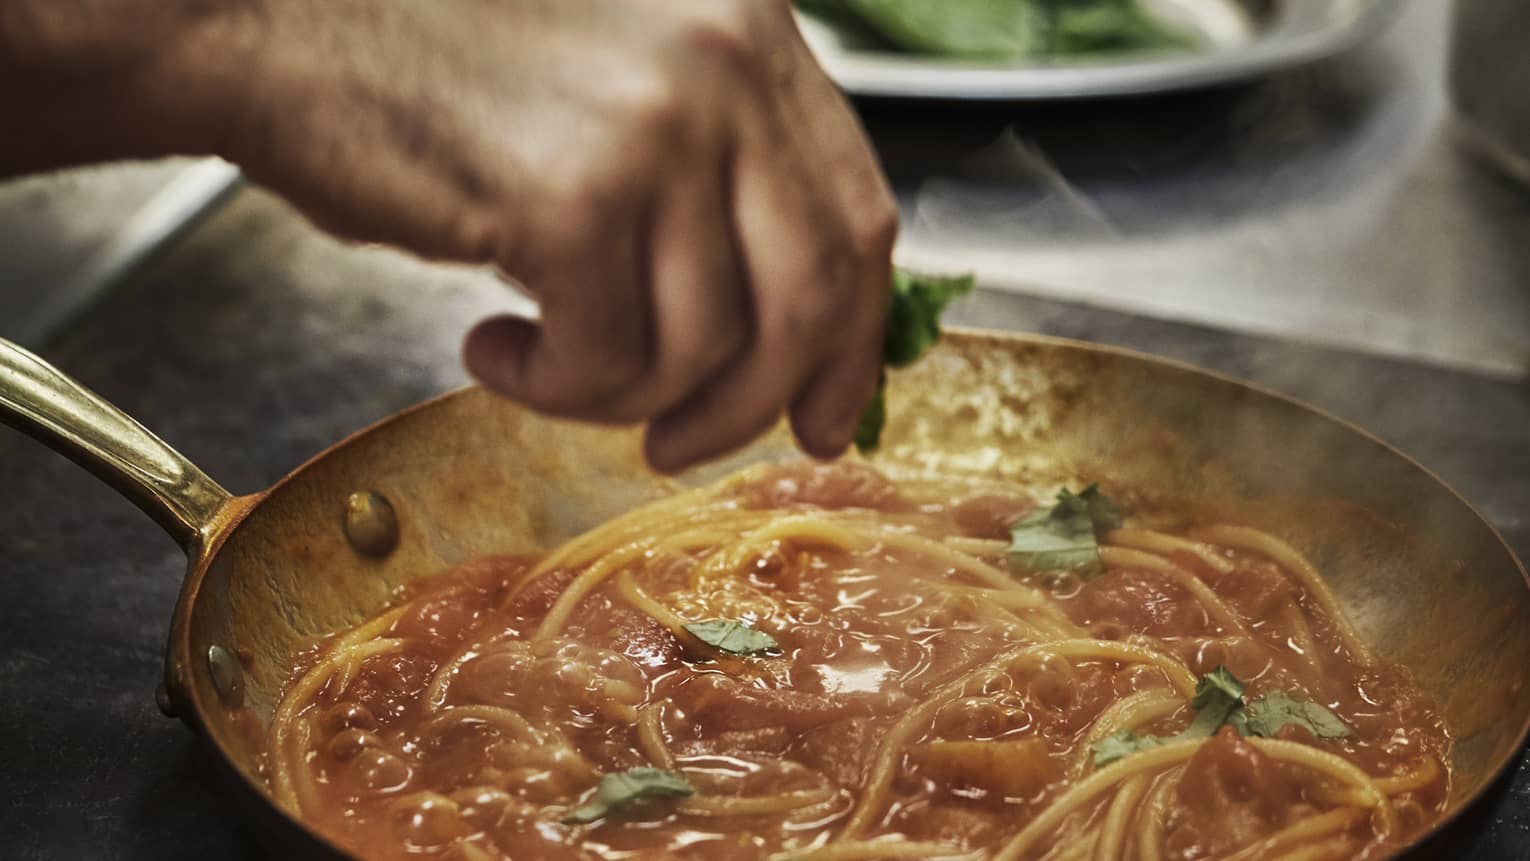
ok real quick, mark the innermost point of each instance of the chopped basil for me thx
(735, 638)
(1124, 743)
(1218, 702)
(1102, 509)
(913, 316)
(618, 790)
(1218, 695)
(913, 327)
(1277, 709)
(1063, 537)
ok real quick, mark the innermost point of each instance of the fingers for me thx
(848, 379)
(593, 338)
(645, 302)
(699, 301)
(840, 146)
(827, 410)
(752, 277)
(801, 267)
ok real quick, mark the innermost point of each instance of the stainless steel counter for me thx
(67, 237)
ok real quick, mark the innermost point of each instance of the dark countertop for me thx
(253, 343)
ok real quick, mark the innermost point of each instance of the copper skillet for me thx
(1425, 578)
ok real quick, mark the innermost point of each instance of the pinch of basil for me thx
(913, 327)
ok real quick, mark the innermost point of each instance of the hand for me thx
(687, 195)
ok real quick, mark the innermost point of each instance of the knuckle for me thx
(726, 27)
(653, 105)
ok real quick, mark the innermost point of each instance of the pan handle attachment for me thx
(38, 399)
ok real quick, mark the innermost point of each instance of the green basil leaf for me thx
(913, 315)
(619, 790)
(1063, 537)
(1218, 701)
(993, 29)
(1218, 696)
(1082, 27)
(1238, 720)
(1276, 709)
(735, 638)
(868, 434)
(913, 326)
(1217, 687)
(1102, 509)
(1045, 541)
(1122, 744)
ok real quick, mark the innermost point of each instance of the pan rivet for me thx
(371, 525)
(226, 675)
(162, 699)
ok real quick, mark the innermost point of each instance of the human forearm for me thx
(93, 80)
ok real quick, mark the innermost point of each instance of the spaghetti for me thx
(819, 662)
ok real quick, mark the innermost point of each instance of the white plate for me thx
(1244, 39)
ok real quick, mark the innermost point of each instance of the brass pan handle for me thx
(39, 400)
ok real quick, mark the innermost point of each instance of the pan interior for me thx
(1426, 581)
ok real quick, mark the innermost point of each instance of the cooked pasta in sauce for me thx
(819, 662)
